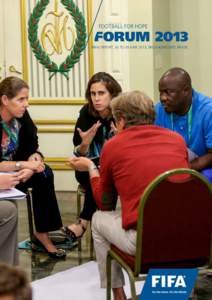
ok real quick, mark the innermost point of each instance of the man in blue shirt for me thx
(189, 113)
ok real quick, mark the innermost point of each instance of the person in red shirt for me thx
(128, 163)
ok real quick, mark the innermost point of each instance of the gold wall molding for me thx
(56, 102)
(24, 40)
(54, 122)
(56, 159)
(58, 163)
(90, 42)
(60, 167)
(55, 130)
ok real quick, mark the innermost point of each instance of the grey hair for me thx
(135, 107)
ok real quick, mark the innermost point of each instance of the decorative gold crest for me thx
(58, 36)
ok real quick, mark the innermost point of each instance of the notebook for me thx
(12, 194)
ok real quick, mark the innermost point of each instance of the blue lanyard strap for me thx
(98, 147)
(189, 114)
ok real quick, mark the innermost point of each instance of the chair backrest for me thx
(175, 222)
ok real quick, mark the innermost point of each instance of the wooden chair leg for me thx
(79, 194)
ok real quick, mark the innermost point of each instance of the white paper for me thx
(81, 282)
(12, 194)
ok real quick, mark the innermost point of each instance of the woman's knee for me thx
(48, 171)
(42, 177)
(8, 211)
(95, 220)
(82, 178)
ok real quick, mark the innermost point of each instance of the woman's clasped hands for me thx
(80, 163)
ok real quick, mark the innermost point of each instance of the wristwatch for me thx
(18, 166)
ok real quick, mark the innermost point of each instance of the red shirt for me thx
(130, 161)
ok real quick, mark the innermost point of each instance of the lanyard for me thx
(98, 147)
(189, 114)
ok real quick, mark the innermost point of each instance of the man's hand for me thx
(202, 162)
(80, 163)
(25, 174)
(8, 181)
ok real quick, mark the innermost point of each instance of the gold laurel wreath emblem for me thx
(79, 45)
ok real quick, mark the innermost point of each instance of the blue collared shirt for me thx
(201, 128)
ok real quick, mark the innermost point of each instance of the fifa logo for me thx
(168, 281)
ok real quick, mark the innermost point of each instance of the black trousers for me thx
(89, 204)
(46, 212)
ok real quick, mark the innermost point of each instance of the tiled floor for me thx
(39, 265)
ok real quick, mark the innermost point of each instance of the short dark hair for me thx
(181, 74)
(110, 83)
(14, 283)
(10, 86)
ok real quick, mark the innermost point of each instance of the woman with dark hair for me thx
(19, 152)
(94, 126)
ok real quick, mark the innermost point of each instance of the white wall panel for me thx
(194, 16)
(65, 180)
(56, 144)
(114, 61)
(115, 7)
(2, 43)
(11, 30)
(57, 112)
